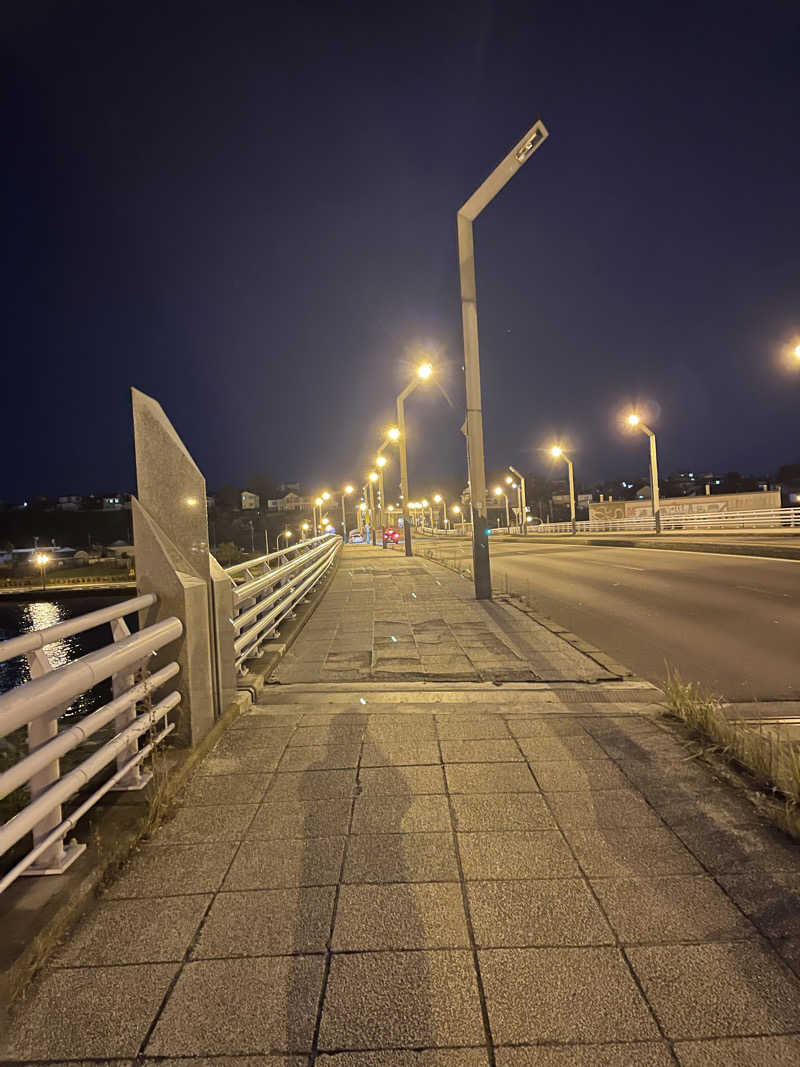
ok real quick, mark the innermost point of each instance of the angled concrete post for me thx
(170, 532)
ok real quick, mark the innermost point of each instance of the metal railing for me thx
(766, 519)
(39, 703)
(266, 589)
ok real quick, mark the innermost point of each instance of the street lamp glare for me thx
(498, 491)
(348, 489)
(437, 499)
(393, 434)
(373, 477)
(326, 495)
(456, 509)
(555, 451)
(318, 501)
(797, 351)
(508, 479)
(425, 370)
(42, 558)
(381, 461)
(633, 419)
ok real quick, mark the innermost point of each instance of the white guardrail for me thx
(38, 703)
(266, 589)
(767, 519)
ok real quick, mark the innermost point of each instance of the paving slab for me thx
(631, 1054)
(682, 908)
(741, 1051)
(401, 1000)
(546, 912)
(134, 931)
(220, 1007)
(75, 1013)
(563, 994)
(400, 916)
(286, 863)
(413, 857)
(717, 990)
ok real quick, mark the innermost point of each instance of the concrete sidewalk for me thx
(437, 873)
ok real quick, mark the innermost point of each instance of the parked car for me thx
(391, 536)
(355, 537)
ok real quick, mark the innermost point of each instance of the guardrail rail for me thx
(38, 705)
(266, 589)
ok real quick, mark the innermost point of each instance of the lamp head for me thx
(318, 501)
(437, 499)
(373, 477)
(42, 558)
(633, 419)
(498, 491)
(393, 434)
(424, 371)
(348, 489)
(556, 451)
(381, 461)
(326, 495)
(456, 509)
(425, 503)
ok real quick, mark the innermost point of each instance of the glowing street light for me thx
(42, 559)
(317, 504)
(348, 489)
(393, 434)
(285, 533)
(557, 452)
(424, 372)
(499, 492)
(476, 464)
(439, 499)
(636, 423)
(522, 501)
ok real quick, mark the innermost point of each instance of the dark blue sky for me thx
(248, 211)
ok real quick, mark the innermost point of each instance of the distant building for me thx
(250, 501)
(69, 503)
(291, 501)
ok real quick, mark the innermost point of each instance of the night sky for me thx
(248, 211)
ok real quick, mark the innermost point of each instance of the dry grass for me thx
(774, 763)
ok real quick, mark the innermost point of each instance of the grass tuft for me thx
(773, 761)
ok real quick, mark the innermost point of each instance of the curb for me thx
(735, 548)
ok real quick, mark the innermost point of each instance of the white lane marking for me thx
(693, 552)
(625, 565)
(766, 592)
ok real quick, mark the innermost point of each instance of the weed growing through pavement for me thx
(774, 762)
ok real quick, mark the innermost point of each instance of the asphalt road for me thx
(731, 623)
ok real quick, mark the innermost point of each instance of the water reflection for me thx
(24, 616)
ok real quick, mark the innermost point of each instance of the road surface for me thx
(731, 623)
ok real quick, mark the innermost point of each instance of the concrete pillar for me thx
(170, 532)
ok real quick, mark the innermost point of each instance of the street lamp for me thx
(558, 453)
(42, 559)
(522, 498)
(380, 463)
(636, 423)
(287, 534)
(304, 528)
(348, 489)
(469, 316)
(424, 372)
(439, 499)
(499, 492)
(317, 504)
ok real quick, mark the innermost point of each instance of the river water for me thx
(22, 616)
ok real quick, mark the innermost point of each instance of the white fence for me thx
(768, 519)
(266, 589)
(38, 704)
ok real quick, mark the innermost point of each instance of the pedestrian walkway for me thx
(422, 871)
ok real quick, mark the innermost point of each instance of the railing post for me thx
(121, 683)
(170, 532)
(56, 858)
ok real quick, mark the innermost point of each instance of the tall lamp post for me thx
(372, 478)
(503, 173)
(42, 559)
(439, 499)
(523, 503)
(317, 504)
(499, 492)
(636, 423)
(558, 453)
(348, 489)
(380, 463)
(424, 371)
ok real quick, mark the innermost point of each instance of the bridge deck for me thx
(414, 869)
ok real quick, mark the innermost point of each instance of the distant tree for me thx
(228, 496)
(789, 472)
(227, 554)
(265, 486)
